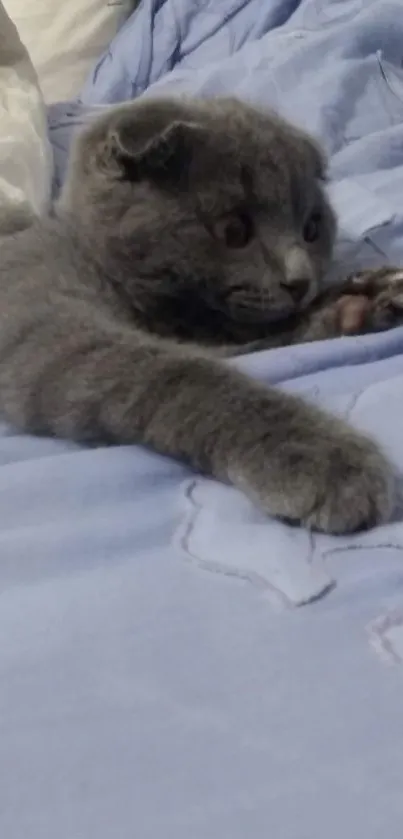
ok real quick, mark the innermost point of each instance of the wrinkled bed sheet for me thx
(172, 663)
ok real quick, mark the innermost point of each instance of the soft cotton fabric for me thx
(65, 39)
(26, 161)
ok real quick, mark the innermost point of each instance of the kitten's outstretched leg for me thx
(89, 379)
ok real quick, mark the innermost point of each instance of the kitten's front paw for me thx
(355, 492)
(375, 303)
(337, 485)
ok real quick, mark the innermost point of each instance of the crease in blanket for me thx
(386, 636)
(279, 560)
(221, 531)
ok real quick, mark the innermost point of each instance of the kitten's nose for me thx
(298, 287)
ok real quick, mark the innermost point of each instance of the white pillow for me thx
(65, 38)
(26, 162)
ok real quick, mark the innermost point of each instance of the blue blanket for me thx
(158, 676)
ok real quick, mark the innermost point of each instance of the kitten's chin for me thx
(252, 315)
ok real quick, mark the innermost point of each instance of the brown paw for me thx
(375, 302)
(352, 313)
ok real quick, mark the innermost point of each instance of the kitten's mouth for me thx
(253, 309)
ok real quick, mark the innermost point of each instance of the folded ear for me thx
(166, 156)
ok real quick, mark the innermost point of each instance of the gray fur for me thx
(178, 237)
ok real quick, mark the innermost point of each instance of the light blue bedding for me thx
(160, 675)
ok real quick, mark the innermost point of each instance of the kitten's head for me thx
(208, 207)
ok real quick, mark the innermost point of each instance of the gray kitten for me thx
(187, 230)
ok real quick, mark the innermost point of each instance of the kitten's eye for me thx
(311, 230)
(234, 231)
